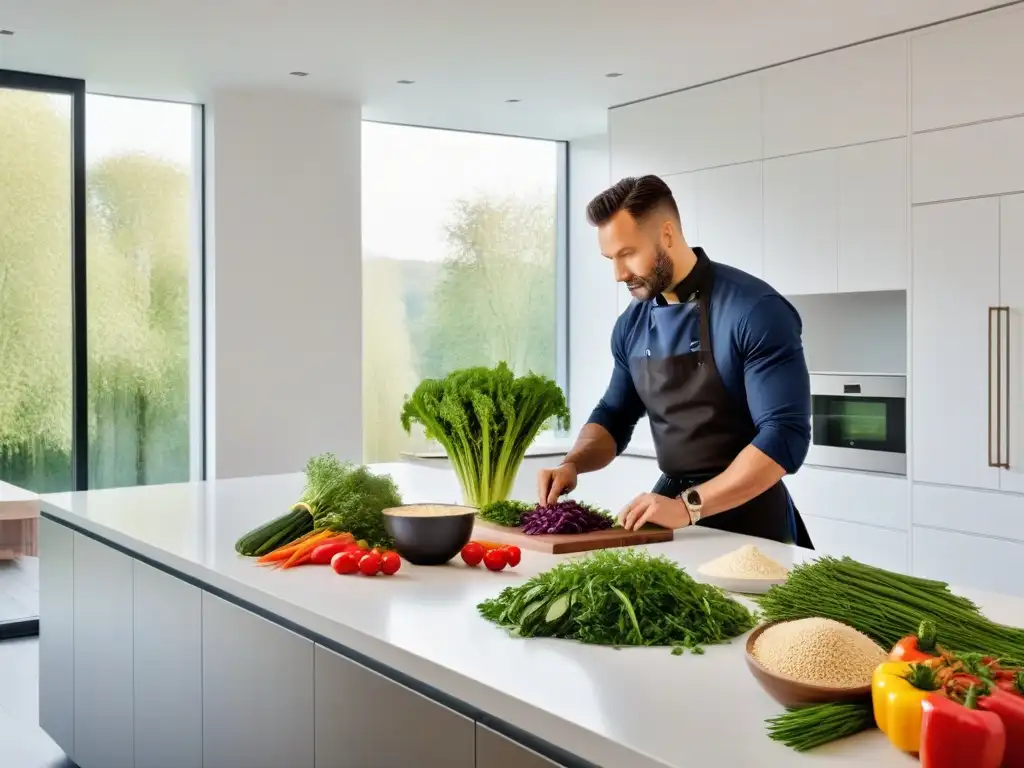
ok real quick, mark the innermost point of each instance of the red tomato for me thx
(323, 554)
(472, 553)
(390, 562)
(345, 562)
(369, 564)
(513, 555)
(495, 559)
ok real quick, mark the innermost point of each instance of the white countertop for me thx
(632, 708)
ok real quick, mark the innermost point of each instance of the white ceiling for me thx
(466, 56)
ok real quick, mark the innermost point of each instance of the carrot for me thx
(282, 552)
(304, 550)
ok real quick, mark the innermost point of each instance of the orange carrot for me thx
(282, 552)
(304, 550)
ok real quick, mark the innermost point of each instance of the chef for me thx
(713, 356)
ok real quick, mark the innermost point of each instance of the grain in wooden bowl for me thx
(812, 661)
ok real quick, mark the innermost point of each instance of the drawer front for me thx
(964, 560)
(855, 497)
(880, 547)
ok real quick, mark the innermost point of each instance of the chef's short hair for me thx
(640, 196)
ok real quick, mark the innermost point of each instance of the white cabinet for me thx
(168, 658)
(684, 190)
(873, 208)
(854, 497)
(103, 666)
(704, 127)
(1011, 295)
(881, 547)
(968, 561)
(729, 215)
(975, 160)
(968, 71)
(956, 280)
(350, 732)
(257, 691)
(496, 751)
(801, 223)
(985, 513)
(57, 633)
(850, 96)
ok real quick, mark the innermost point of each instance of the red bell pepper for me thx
(919, 647)
(957, 735)
(1010, 709)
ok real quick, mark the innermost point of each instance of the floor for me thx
(23, 744)
(19, 588)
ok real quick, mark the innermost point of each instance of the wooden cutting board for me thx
(568, 543)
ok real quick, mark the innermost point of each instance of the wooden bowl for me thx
(791, 693)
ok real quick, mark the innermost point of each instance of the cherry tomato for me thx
(472, 553)
(323, 554)
(513, 555)
(345, 562)
(495, 559)
(390, 562)
(369, 564)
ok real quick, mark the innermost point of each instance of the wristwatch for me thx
(693, 503)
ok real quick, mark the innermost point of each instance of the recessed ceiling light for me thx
(614, 74)
(512, 101)
(405, 82)
(299, 74)
(7, 32)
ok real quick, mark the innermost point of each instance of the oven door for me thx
(859, 422)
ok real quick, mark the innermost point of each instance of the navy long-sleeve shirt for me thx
(755, 341)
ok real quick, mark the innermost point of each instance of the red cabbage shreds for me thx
(565, 517)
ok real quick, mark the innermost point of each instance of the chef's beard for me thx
(657, 281)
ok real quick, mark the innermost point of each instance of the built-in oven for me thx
(859, 421)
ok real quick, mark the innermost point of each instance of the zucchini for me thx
(557, 609)
(278, 532)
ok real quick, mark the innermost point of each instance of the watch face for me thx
(693, 498)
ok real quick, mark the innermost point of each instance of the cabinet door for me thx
(57, 633)
(881, 547)
(684, 190)
(956, 280)
(1011, 294)
(873, 217)
(257, 691)
(977, 82)
(849, 96)
(970, 561)
(729, 215)
(104, 704)
(168, 653)
(416, 730)
(801, 223)
(496, 751)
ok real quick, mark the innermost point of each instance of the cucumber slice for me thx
(557, 609)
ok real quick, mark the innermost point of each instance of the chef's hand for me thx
(654, 508)
(552, 483)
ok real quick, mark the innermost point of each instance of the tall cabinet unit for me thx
(1011, 297)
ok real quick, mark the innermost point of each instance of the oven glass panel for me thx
(867, 423)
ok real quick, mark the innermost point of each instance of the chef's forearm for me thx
(594, 449)
(749, 475)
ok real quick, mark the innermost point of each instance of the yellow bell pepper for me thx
(897, 704)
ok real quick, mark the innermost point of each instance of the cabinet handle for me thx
(997, 313)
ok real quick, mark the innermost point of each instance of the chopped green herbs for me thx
(620, 598)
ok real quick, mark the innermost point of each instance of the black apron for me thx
(698, 429)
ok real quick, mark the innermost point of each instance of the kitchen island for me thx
(160, 646)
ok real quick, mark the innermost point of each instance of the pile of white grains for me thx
(747, 562)
(819, 652)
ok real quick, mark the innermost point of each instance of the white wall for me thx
(889, 167)
(284, 285)
(592, 287)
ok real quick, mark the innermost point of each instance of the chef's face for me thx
(639, 253)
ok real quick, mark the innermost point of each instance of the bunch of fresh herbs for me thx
(620, 598)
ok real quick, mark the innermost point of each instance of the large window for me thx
(463, 264)
(141, 206)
